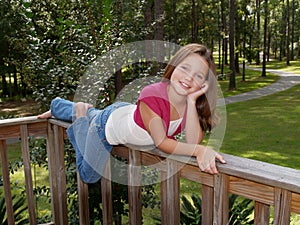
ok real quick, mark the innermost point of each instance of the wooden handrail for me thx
(265, 183)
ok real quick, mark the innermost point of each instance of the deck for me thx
(266, 184)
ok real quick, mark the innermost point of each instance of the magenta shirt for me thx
(155, 96)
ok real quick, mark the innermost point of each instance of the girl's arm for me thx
(205, 156)
(193, 130)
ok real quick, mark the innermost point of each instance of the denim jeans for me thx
(87, 135)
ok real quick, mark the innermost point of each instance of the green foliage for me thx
(19, 207)
(191, 212)
(240, 210)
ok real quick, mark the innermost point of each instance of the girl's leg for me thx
(91, 153)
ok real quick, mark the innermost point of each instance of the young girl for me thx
(185, 99)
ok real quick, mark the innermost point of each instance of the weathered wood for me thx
(55, 151)
(207, 204)
(83, 199)
(193, 173)
(252, 190)
(163, 198)
(266, 184)
(134, 187)
(106, 189)
(295, 207)
(19, 121)
(28, 175)
(172, 192)
(221, 199)
(261, 213)
(261, 172)
(10, 128)
(6, 183)
(51, 153)
(282, 206)
(61, 175)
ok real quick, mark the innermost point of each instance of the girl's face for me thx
(189, 75)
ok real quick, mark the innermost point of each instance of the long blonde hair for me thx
(205, 104)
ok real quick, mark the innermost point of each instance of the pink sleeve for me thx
(153, 97)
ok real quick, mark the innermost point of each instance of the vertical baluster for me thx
(55, 150)
(28, 175)
(207, 204)
(282, 206)
(163, 198)
(61, 176)
(261, 213)
(221, 199)
(6, 183)
(51, 153)
(173, 192)
(83, 201)
(134, 187)
(106, 190)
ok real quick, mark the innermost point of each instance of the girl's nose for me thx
(188, 76)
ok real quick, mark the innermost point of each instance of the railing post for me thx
(207, 204)
(134, 187)
(28, 176)
(55, 151)
(106, 193)
(282, 206)
(83, 201)
(6, 183)
(261, 213)
(221, 199)
(172, 192)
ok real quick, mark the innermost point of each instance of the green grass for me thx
(277, 65)
(266, 129)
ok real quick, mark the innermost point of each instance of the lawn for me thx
(266, 129)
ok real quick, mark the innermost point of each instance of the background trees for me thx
(46, 45)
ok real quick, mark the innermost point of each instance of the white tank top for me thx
(121, 129)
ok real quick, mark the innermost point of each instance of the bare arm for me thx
(205, 156)
(194, 132)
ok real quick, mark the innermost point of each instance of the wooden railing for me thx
(268, 185)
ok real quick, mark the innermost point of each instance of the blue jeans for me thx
(87, 135)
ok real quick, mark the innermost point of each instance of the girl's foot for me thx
(81, 109)
(45, 115)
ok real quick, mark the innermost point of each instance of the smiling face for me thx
(189, 75)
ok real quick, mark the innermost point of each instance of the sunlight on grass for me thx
(266, 129)
(281, 65)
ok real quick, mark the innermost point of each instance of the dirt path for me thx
(19, 108)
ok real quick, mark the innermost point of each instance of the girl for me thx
(184, 99)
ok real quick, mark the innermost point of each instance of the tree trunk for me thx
(232, 84)
(159, 19)
(194, 22)
(159, 32)
(265, 39)
(258, 32)
(148, 20)
(224, 34)
(283, 36)
(293, 30)
(174, 21)
(288, 33)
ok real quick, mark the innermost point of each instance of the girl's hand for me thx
(207, 160)
(203, 89)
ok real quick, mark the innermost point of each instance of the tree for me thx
(288, 33)
(232, 84)
(265, 38)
